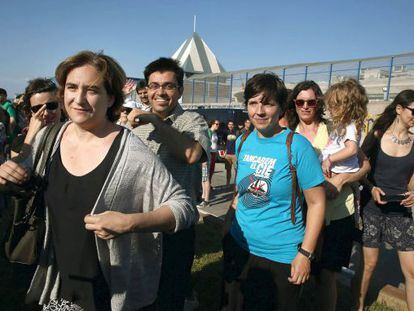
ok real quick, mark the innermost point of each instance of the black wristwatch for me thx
(310, 256)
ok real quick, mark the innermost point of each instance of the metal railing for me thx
(383, 78)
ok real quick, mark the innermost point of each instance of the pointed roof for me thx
(196, 57)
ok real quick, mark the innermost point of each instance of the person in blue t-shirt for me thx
(267, 248)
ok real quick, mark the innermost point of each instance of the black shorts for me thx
(263, 283)
(398, 231)
(338, 238)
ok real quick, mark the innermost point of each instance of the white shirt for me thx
(337, 143)
(214, 140)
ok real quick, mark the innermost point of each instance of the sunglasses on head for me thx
(49, 106)
(126, 109)
(301, 102)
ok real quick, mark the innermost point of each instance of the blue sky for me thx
(37, 35)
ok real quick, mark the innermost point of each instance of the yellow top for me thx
(321, 137)
(343, 205)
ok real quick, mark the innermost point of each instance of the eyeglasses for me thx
(301, 102)
(49, 106)
(167, 86)
(217, 123)
(126, 109)
(411, 109)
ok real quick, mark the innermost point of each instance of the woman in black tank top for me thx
(388, 215)
(108, 199)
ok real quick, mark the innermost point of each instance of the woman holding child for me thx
(336, 145)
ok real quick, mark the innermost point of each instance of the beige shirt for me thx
(188, 123)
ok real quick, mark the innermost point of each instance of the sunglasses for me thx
(411, 109)
(126, 110)
(301, 102)
(49, 106)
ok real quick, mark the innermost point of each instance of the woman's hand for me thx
(409, 200)
(333, 186)
(128, 87)
(299, 270)
(108, 225)
(376, 193)
(10, 171)
(36, 124)
(326, 167)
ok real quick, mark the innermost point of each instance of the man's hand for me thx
(300, 270)
(10, 171)
(140, 117)
(108, 225)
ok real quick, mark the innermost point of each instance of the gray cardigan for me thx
(137, 182)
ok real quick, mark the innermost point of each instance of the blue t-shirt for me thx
(263, 224)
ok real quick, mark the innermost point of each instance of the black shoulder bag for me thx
(27, 228)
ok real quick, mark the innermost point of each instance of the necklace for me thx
(398, 141)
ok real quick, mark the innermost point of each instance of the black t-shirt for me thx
(392, 175)
(69, 199)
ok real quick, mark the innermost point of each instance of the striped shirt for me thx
(187, 123)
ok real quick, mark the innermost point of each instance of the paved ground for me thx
(388, 270)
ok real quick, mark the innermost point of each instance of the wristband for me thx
(310, 256)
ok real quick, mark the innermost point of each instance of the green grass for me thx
(207, 275)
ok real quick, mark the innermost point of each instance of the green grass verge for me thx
(206, 274)
(207, 269)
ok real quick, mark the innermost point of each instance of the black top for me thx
(392, 175)
(69, 199)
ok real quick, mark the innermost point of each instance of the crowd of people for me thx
(143, 166)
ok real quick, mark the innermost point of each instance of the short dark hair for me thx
(38, 85)
(211, 122)
(3, 92)
(164, 64)
(272, 87)
(141, 84)
(111, 72)
(291, 115)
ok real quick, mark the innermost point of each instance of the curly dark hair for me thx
(38, 85)
(291, 114)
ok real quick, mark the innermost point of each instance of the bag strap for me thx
(48, 143)
(45, 149)
(294, 176)
(242, 140)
